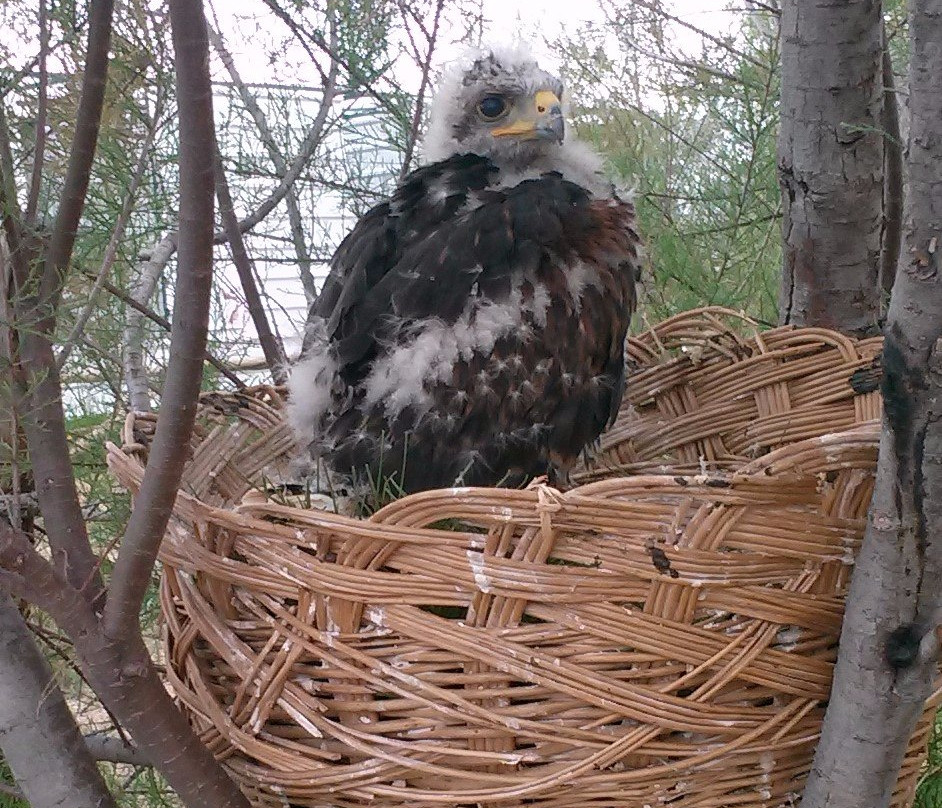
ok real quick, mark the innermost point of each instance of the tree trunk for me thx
(38, 735)
(893, 178)
(831, 163)
(888, 644)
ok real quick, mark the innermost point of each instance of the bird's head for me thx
(498, 104)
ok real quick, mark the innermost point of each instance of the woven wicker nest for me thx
(658, 638)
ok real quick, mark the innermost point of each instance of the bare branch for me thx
(308, 146)
(39, 149)
(35, 371)
(718, 41)
(38, 732)
(112, 749)
(426, 67)
(164, 323)
(81, 156)
(331, 50)
(892, 178)
(111, 250)
(9, 205)
(148, 273)
(272, 346)
(278, 160)
(151, 513)
(695, 68)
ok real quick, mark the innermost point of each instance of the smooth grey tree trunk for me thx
(38, 734)
(893, 188)
(831, 163)
(889, 647)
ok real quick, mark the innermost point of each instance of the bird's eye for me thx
(492, 107)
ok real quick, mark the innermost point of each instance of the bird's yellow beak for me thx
(539, 119)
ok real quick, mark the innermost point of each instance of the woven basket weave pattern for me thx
(659, 638)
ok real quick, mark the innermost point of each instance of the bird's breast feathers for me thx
(486, 323)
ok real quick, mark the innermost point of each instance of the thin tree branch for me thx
(81, 156)
(272, 346)
(111, 250)
(39, 150)
(112, 749)
(426, 67)
(10, 206)
(224, 368)
(718, 41)
(149, 271)
(35, 370)
(331, 50)
(308, 146)
(695, 68)
(152, 509)
(301, 249)
(38, 732)
(893, 187)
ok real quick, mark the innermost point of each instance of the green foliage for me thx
(6, 779)
(696, 138)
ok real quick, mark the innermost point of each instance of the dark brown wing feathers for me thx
(546, 380)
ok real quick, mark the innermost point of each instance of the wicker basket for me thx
(637, 641)
(707, 388)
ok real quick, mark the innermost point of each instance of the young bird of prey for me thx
(471, 328)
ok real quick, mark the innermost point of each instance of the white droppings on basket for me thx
(849, 556)
(788, 638)
(765, 793)
(307, 683)
(767, 764)
(398, 784)
(476, 560)
(459, 492)
(376, 614)
(513, 723)
(302, 720)
(512, 759)
(365, 719)
(503, 513)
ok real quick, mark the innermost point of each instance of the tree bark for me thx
(148, 273)
(831, 164)
(893, 178)
(170, 448)
(38, 735)
(271, 343)
(122, 674)
(888, 649)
